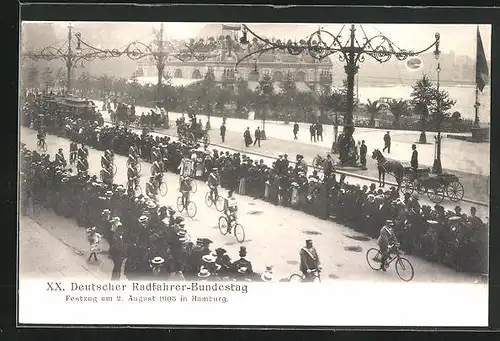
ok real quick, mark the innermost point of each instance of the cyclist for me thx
(82, 165)
(106, 161)
(185, 189)
(73, 148)
(214, 183)
(132, 150)
(60, 160)
(156, 172)
(41, 136)
(107, 176)
(132, 178)
(152, 189)
(83, 152)
(155, 154)
(386, 242)
(231, 209)
(132, 160)
(309, 261)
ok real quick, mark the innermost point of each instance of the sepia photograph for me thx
(234, 153)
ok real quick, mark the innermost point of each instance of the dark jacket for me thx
(414, 159)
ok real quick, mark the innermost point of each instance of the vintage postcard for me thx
(168, 168)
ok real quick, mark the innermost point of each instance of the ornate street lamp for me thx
(83, 51)
(436, 166)
(320, 45)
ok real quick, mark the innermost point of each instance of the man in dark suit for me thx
(309, 260)
(243, 263)
(295, 130)
(414, 160)
(257, 137)
(387, 143)
(223, 132)
(362, 154)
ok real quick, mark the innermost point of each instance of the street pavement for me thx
(470, 162)
(274, 235)
(456, 155)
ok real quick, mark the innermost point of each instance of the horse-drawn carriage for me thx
(436, 186)
(187, 132)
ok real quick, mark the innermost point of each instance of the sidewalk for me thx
(476, 186)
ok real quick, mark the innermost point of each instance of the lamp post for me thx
(136, 50)
(436, 166)
(322, 44)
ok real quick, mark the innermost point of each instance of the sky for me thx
(458, 38)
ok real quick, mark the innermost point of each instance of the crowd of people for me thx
(451, 238)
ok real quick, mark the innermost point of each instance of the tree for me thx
(398, 109)
(244, 97)
(83, 82)
(209, 88)
(440, 107)
(422, 96)
(304, 103)
(224, 95)
(324, 99)
(373, 109)
(288, 96)
(30, 77)
(48, 78)
(105, 84)
(264, 98)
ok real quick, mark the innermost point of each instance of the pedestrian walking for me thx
(295, 130)
(247, 137)
(319, 132)
(223, 131)
(312, 130)
(387, 143)
(257, 137)
(362, 154)
(94, 240)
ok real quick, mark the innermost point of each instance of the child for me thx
(94, 240)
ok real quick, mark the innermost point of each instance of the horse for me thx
(392, 167)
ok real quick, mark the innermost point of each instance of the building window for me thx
(300, 76)
(278, 76)
(229, 73)
(197, 74)
(178, 73)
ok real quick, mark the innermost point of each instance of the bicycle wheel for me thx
(223, 224)
(208, 200)
(295, 278)
(138, 167)
(163, 189)
(220, 203)
(138, 190)
(239, 233)
(191, 209)
(194, 186)
(115, 169)
(373, 257)
(404, 269)
(180, 207)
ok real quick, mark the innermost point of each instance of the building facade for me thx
(309, 73)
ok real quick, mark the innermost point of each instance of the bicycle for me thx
(137, 190)
(299, 277)
(72, 158)
(219, 202)
(239, 231)
(162, 188)
(194, 186)
(374, 256)
(41, 145)
(190, 207)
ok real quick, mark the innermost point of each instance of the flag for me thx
(230, 28)
(482, 73)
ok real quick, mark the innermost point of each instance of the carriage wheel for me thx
(317, 162)
(163, 189)
(191, 209)
(223, 225)
(115, 169)
(180, 207)
(194, 186)
(208, 200)
(455, 191)
(420, 187)
(239, 233)
(436, 195)
(407, 187)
